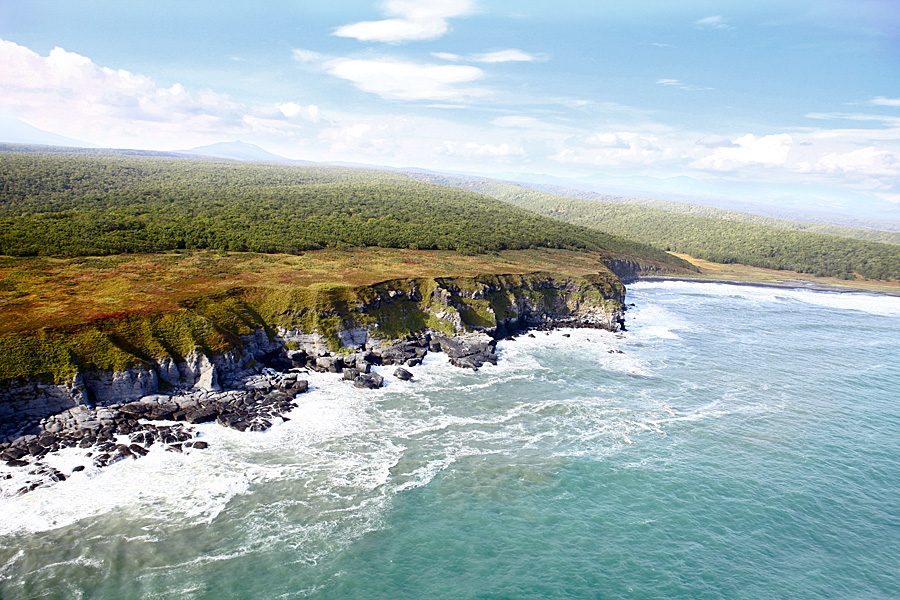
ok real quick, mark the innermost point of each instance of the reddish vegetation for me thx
(46, 292)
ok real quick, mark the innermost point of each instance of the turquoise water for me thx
(736, 442)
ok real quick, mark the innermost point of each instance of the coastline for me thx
(792, 284)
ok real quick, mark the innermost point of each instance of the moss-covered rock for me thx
(337, 315)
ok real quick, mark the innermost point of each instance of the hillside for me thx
(871, 233)
(713, 239)
(75, 205)
(112, 261)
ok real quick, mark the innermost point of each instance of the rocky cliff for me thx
(218, 341)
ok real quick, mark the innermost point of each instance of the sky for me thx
(771, 100)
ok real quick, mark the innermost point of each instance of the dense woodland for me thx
(75, 205)
(715, 239)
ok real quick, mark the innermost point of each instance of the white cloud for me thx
(881, 101)
(517, 121)
(447, 56)
(609, 148)
(305, 56)
(292, 109)
(399, 80)
(413, 20)
(352, 136)
(868, 161)
(609, 140)
(499, 56)
(502, 56)
(714, 22)
(680, 85)
(716, 141)
(68, 93)
(475, 150)
(770, 150)
(852, 117)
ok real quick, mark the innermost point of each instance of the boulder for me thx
(369, 381)
(201, 415)
(403, 374)
(332, 364)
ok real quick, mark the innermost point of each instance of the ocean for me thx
(735, 442)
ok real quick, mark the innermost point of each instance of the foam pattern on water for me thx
(688, 396)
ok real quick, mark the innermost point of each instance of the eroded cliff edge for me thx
(216, 342)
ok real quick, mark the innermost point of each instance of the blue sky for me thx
(800, 96)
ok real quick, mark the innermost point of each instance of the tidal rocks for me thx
(403, 374)
(101, 429)
(468, 352)
(409, 351)
(371, 381)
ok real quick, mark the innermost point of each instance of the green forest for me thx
(715, 239)
(871, 235)
(82, 204)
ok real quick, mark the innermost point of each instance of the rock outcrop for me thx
(391, 323)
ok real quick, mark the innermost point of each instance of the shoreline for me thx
(794, 284)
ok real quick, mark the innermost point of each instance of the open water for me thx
(736, 442)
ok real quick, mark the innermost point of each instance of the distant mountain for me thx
(238, 151)
(14, 131)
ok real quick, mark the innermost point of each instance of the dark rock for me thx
(141, 437)
(136, 410)
(531, 335)
(234, 420)
(36, 449)
(369, 381)
(174, 447)
(13, 453)
(466, 362)
(403, 374)
(201, 415)
(163, 411)
(122, 451)
(331, 364)
(78, 468)
(138, 450)
(351, 374)
(16, 463)
(468, 353)
(200, 445)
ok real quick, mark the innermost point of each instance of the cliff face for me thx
(251, 327)
(630, 269)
